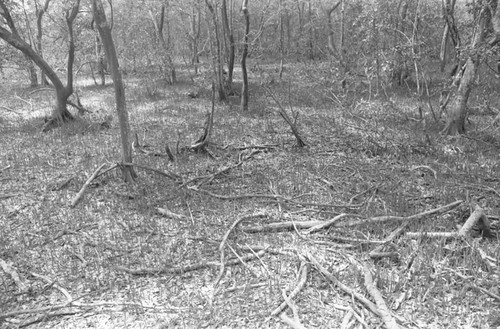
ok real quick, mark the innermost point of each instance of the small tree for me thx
(107, 40)
(244, 87)
(12, 37)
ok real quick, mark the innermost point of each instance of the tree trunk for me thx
(195, 36)
(107, 40)
(244, 87)
(164, 46)
(216, 54)
(458, 112)
(39, 33)
(12, 37)
(230, 49)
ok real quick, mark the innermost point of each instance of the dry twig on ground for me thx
(84, 187)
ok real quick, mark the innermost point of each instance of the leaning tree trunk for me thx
(12, 37)
(244, 87)
(458, 112)
(107, 40)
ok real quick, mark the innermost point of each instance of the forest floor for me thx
(358, 203)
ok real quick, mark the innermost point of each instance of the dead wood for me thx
(187, 268)
(288, 120)
(370, 305)
(293, 323)
(9, 269)
(84, 187)
(383, 219)
(176, 178)
(224, 240)
(167, 213)
(377, 252)
(326, 224)
(283, 226)
(476, 217)
(202, 142)
(385, 313)
(304, 269)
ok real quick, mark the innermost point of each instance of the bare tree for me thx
(487, 18)
(40, 11)
(107, 40)
(12, 37)
(244, 87)
(229, 45)
(164, 46)
(216, 49)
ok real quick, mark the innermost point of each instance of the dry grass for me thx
(375, 154)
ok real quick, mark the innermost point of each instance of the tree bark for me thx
(107, 40)
(39, 34)
(230, 49)
(458, 112)
(216, 54)
(244, 87)
(12, 37)
(164, 47)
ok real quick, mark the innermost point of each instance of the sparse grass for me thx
(375, 154)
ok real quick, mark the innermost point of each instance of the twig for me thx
(5, 168)
(10, 110)
(326, 224)
(385, 313)
(291, 322)
(187, 268)
(82, 190)
(377, 252)
(302, 281)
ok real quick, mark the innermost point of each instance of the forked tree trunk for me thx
(244, 87)
(107, 40)
(12, 37)
(458, 112)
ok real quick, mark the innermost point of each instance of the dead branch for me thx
(209, 178)
(383, 219)
(377, 252)
(9, 269)
(10, 110)
(283, 226)
(84, 187)
(476, 217)
(45, 317)
(176, 178)
(167, 213)
(293, 323)
(385, 313)
(187, 268)
(372, 307)
(288, 120)
(202, 142)
(224, 240)
(5, 168)
(304, 268)
(326, 224)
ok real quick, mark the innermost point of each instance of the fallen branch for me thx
(377, 252)
(187, 268)
(224, 240)
(326, 224)
(304, 268)
(8, 269)
(383, 219)
(84, 187)
(476, 217)
(283, 226)
(176, 178)
(385, 313)
(370, 305)
(167, 213)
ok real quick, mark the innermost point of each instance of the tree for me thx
(40, 11)
(107, 40)
(229, 45)
(244, 87)
(163, 46)
(216, 50)
(487, 18)
(12, 37)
